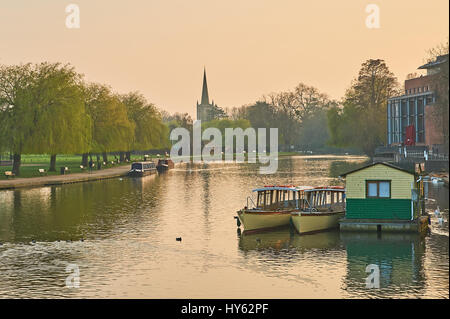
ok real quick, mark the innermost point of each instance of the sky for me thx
(249, 47)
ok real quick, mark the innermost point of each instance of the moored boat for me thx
(320, 210)
(164, 165)
(273, 207)
(140, 169)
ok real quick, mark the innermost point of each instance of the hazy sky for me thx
(249, 47)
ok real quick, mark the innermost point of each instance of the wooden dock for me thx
(418, 225)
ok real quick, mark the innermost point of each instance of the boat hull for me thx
(141, 174)
(257, 221)
(162, 168)
(305, 223)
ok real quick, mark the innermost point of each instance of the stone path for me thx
(18, 182)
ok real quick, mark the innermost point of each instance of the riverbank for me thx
(51, 180)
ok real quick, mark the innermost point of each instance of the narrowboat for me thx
(273, 207)
(320, 209)
(140, 169)
(164, 165)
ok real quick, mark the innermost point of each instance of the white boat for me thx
(321, 209)
(273, 207)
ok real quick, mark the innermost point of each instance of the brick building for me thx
(409, 116)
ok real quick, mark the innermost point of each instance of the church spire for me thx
(205, 97)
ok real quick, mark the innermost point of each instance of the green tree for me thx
(61, 125)
(112, 130)
(314, 133)
(361, 123)
(16, 116)
(149, 130)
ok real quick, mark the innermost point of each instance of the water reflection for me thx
(73, 212)
(287, 239)
(400, 258)
(128, 227)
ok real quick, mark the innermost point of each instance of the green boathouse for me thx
(381, 196)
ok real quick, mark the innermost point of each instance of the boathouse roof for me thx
(377, 163)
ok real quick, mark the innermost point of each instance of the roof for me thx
(300, 188)
(283, 188)
(439, 60)
(376, 163)
(205, 96)
(327, 188)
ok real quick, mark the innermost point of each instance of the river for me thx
(119, 235)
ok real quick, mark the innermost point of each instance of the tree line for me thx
(299, 114)
(48, 108)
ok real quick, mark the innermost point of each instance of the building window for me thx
(378, 189)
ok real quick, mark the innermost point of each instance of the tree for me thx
(178, 120)
(361, 123)
(61, 125)
(149, 130)
(112, 129)
(314, 133)
(217, 113)
(16, 109)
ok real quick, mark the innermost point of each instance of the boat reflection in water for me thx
(342, 259)
(399, 257)
(287, 239)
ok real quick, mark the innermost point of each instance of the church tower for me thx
(205, 110)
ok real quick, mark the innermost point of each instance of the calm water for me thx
(129, 227)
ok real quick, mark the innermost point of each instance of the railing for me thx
(251, 200)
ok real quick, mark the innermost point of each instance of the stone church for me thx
(207, 111)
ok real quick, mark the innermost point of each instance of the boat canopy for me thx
(326, 188)
(283, 188)
(142, 165)
(285, 197)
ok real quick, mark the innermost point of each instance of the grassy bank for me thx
(32, 163)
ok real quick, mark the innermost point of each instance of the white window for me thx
(378, 189)
(372, 190)
(385, 189)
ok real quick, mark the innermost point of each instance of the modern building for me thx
(409, 116)
(206, 111)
